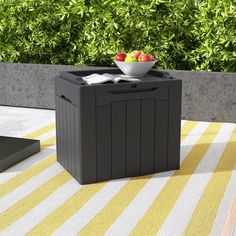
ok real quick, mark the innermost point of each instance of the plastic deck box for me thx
(109, 131)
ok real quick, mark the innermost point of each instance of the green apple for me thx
(130, 58)
(136, 53)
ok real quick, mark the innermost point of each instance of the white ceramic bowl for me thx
(135, 69)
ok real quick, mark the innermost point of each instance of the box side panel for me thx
(65, 113)
(161, 135)
(147, 136)
(103, 142)
(87, 123)
(72, 140)
(58, 128)
(76, 131)
(67, 90)
(133, 137)
(65, 134)
(68, 111)
(174, 127)
(78, 157)
(118, 139)
(71, 137)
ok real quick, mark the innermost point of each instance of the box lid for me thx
(153, 76)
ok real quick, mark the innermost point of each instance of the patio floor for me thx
(38, 197)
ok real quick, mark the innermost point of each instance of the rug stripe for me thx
(186, 129)
(47, 143)
(54, 220)
(150, 223)
(40, 131)
(225, 206)
(24, 205)
(114, 208)
(187, 201)
(39, 212)
(120, 201)
(133, 213)
(219, 180)
(21, 178)
(29, 186)
(49, 134)
(91, 208)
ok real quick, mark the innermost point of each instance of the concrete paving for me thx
(15, 121)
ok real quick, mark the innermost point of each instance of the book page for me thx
(96, 79)
(125, 78)
(99, 79)
(117, 78)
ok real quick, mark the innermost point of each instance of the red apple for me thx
(136, 53)
(144, 57)
(120, 56)
(152, 57)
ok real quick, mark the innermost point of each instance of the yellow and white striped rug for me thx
(38, 197)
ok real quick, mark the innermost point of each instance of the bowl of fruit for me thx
(135, 64)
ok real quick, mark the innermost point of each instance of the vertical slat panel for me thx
(88, 136)
(103, 143)
(118, 139)
(78, 157)
(161, 135)
(70, 146)
(63, 134)
(174, 127)
(72, 139)
(147, 136)
(66, 135)
(58, 129)
(133, 138)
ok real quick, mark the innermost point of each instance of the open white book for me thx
(99, 79)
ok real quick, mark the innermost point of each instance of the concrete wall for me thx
(207, 96)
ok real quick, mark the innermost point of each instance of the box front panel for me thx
(132, 138)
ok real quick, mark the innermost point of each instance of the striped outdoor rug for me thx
(38, 197)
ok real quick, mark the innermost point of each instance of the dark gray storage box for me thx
(109, 131)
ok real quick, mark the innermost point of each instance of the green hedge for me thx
(192, 35)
